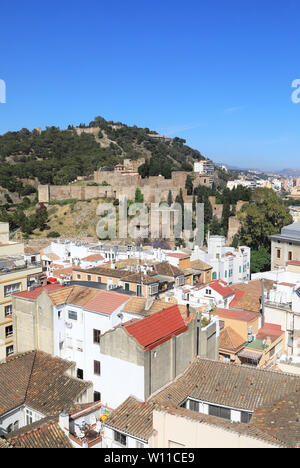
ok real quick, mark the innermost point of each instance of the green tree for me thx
(139, 197)
(260, 260)
(263, 216)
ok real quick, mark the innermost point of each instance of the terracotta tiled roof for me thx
(248, 295)
(154, 330)
(60, 296)
(230, 385)
(221, 288)
(93, 258)
(269, 330)
(133, 417)
(231, 340)
(89, 298)
(178, 255)
(106, 302)
(62, 272)
(280, 419)
(32, 295)
(142, 306)
(166, 269)
(242, 315)
(40, 381)
(104, 271)
(45, 433)
(200, 265)
(51, 256)
(4, 444)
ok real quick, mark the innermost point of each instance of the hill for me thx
(57, 157)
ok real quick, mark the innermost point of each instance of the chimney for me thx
(188, 310)
(64, 422)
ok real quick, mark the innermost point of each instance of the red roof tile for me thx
(269, 330)
(92, 258)
(178, 255)
(106, 302)
(159, 327)
(37, 291)
(242, 315)
(221, 288)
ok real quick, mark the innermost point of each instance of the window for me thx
(97, 396)
(214, 276)
(12, 288)
(16, 425)
(278, 253)
(121, 438)
(99, 279)
(8, 331)
(29, 417)
(89, 278)
(78, 277)
(139, 290)
(245, 417)
(290, 255)
(96, 337)
(194, 406)
(97, 368)
(10, 428)
(126, 286)
(9, 351)
(80, 374)
(8, 310)
(219, 411)
(72, 315)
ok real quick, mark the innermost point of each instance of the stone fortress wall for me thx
(123, 184)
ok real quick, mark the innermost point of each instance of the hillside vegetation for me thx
(55, 156)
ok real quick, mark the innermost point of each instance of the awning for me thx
(250, 355)
(52, 280)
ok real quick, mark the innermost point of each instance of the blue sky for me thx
(218, 74)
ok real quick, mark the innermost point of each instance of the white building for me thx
(78, 328)
(229, 264)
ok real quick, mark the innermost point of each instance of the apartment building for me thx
(16, 274)
(212, 404)
(152, 351)
(285, 247)
(205, 167)
(228, 264)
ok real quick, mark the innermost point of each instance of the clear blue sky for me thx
(216, 73)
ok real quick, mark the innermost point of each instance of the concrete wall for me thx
(4, 232)
(171, 431)
(33, 324)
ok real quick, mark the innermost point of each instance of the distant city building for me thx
(205, 167)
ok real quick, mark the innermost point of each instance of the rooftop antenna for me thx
(262, 302)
